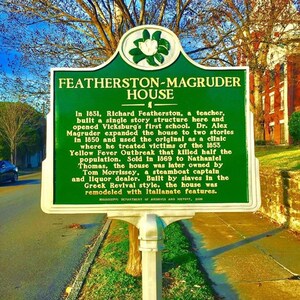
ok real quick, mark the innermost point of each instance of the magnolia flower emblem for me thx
(151, 48)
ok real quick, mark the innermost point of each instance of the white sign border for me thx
(137, 210)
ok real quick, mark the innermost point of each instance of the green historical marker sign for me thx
(150, 130)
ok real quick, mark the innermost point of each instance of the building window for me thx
(272, 101)
(272, 78)
(282, 98)
(281, 76)
(282, 137)
(263, 100)
(271, 131)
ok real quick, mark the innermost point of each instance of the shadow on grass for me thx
(176, 261)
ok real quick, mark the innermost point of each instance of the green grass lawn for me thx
(279, 157)
(182, 278)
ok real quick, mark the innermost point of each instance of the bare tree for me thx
(247, 32)
(86, 33)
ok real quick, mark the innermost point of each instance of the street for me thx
(39, 253)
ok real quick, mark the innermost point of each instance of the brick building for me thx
(279, 86)
(281, 97)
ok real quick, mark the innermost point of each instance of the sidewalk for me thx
(246, 256)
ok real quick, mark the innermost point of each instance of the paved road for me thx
(39, 253)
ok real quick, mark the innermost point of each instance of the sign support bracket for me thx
(151, 245)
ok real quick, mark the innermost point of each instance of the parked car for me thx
(8, 171)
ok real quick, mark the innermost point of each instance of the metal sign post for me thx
(151, 234)
(150, 137)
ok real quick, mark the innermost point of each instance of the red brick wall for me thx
(294, 83)
(273, 85)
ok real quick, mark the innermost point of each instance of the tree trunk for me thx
(259, 134)
(12, 156)
(134, 263)
(12, 152)
(15, 156)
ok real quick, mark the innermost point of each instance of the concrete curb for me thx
(25, 175)
(80, 277)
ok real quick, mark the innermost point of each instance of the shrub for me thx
(260, 143)
(294, 127)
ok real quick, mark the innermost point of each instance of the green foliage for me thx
(294, 127)
(20, 129)
(260, 143)
(4, 150)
